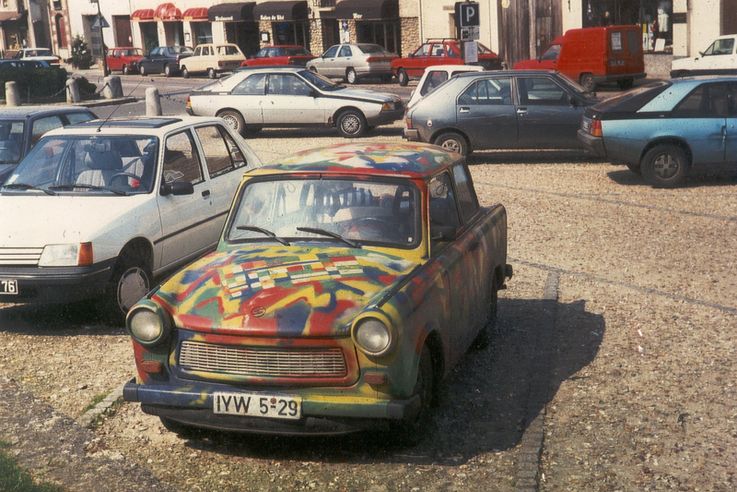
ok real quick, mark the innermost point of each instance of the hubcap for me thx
(231, 121)
(665, 166)
(133, 285)
(351, 76)
(452, 144)
(350, 124)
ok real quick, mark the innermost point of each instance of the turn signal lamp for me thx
(595, 129)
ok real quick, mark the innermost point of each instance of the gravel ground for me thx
(641, 395)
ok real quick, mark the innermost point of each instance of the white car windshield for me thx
(380, 212)
(321, 82)
(121, 165)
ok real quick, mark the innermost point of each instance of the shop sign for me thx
(357, 16)
(275, 17)
(223, 18)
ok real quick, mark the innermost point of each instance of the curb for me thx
(88, 418)
(528, 466)
(106, 102)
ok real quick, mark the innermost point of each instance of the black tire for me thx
(350, 76)
(412, 430)
(635, 168)
(168, 71)
(452, 142)
(107, 71)
(402, 77)
(211, 73)
(665, 166)
(131, 281)
(126, 70)
(489, 332)
(587, 82)
(351, 123)
(182, 430)
(234, 120)
(625, 84)
(185, 73)
(142, 70)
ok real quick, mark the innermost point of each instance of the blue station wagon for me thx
(667, 129)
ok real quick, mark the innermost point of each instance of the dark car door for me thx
(545, 114)
(150, 63)
(484, 111)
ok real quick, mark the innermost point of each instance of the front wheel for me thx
(234, 120)
(452, 142)
(411, 431)
(665, 166)
(402, 77)
(185, 72)
(351, 123)
(350, 76)
(142, 70)
(168, 71)
(130, 282)
(126, 70)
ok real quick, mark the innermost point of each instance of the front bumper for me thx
(321, 414)
(593, 145)
(385, 117)
(57, 284)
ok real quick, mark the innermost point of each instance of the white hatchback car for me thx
(100, 208)
(253, 98)
(436, 75)
(720, 58)
(212, 59)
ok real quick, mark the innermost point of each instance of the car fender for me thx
(668, 139)
(335, 114)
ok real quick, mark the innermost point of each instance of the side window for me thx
(437, 50)
(552, 53)
(261, 53)
(253, 85)
(197, 51)
(443, 211)
(217, 154)
(488, 92)
(706, 100)
(236, 156)
(540, 91)
(434, 79)
(43, 125)
(345, 51)
(181, 162)
(423, 50)
(74, 118)
(330, 53)
(287, 84)
(467, 201)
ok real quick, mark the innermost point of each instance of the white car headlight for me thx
(79, 254)
(372, 336)
(388, 106)
(147, 326)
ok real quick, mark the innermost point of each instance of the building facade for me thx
(24, 24)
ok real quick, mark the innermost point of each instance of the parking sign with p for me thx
(467, 14)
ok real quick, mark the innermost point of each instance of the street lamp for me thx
(100, 22)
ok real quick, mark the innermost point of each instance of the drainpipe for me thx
(422, 37)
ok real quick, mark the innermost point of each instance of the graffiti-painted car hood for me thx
(285, 291)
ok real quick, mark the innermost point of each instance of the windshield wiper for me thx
(263, 231)
(25, 186)
(86, 187)
(332, 234)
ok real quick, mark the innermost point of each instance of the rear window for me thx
(634, 99)
(371, 48)
(295, 51)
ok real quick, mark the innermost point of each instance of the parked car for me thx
(22, 126)
(353, 62)
(439, 52)
(99, 209)
(436, 75)
(41, 54)
(718, 58)
(164, 59)
(666, 129)
(254, 98)
(123, 59)
(500, 110)
(593, 55)
(212, 59)
(287, 54)
(348, 282)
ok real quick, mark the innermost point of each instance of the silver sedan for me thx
(354, 61)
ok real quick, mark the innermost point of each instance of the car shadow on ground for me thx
(723, 176)
(537, 156)
(485, 406)
(60, 320)
(303, 133)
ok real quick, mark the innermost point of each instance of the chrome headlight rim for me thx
(373, 317)
(163, 320)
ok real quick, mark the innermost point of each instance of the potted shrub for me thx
(81, 56)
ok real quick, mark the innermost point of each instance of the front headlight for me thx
(79, 254)
(389, 106)
(372, 336)
(148, 324)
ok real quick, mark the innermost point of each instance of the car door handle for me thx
(464, 109)
(205, 193)
(521, 111)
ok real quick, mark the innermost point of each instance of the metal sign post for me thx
(99, 23)
(467, 17)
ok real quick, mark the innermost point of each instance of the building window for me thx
(61, 35)
(655, 17)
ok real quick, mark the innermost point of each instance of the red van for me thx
(593, 55)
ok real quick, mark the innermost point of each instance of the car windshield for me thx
(321, 82)
(88, 164)
(11, 141)
(576, 87)
(382, 212)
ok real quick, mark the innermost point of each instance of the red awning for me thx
(167, 12)
(196, 13)
(143, 15)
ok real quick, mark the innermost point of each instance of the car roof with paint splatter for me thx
(385, 159)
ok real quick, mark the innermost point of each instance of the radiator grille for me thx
(263, 362)
(20, 256)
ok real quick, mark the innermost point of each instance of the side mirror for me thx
(701, 53)
(177, 188)
(443, 233)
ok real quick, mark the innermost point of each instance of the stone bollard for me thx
(12, 98)
(72, 91)
(153, 102)
(113, 89)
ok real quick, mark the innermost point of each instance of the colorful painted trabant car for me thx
(347, 282)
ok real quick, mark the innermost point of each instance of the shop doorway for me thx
(149, 36)
(122, 28)
(383, 33)
(244, 34)
(174, 33)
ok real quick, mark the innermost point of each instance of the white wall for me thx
(704, 24)
(435, 20)
(572, 17)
